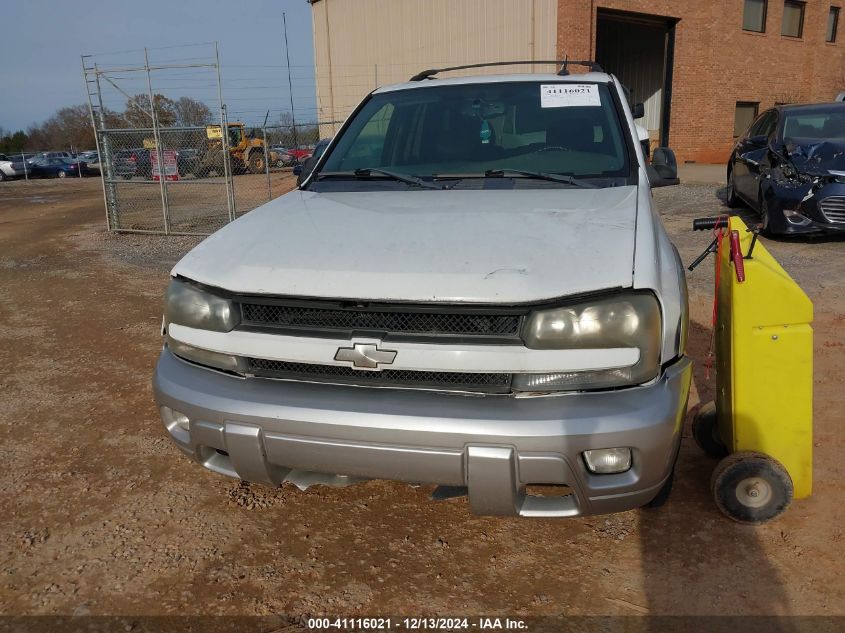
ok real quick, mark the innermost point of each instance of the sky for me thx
(43, 41)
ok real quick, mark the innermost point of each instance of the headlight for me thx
(188, 305)
(625, 321)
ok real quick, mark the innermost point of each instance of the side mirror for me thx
(307, 168)
(663, 170)
(638, 110)
(759, 140)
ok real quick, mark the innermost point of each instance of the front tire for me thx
(765, 218)
(61, 174)
(730, 192)
(663, 495)
(256, 163)
(751, 487)
(705, 431)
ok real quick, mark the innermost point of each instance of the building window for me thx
(832, 24)
(793, 19)
(746, 112)
(754, 16)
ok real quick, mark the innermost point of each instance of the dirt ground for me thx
(101, 514)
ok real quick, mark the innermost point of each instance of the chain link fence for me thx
(192, 180)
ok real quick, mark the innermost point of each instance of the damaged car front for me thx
(807, 192)
(794, 176)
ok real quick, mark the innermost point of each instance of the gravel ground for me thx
(102, 515)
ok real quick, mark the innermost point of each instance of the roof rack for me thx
(564, 63)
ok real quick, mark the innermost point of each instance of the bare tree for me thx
(190, 112)
(138, 111)
(69, 127)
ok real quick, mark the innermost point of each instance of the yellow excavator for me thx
(246, 152)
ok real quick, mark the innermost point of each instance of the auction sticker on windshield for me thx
(569, 95)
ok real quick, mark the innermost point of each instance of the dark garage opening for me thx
(638, 48)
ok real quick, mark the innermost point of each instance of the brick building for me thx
(703, 69)
(729, 58)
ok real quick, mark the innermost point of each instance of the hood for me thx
(508, 246)
(817, 158)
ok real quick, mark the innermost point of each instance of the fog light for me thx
(605, 461)
(793, 217)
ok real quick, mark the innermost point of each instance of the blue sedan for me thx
(59, 168)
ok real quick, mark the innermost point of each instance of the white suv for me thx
(470, 289)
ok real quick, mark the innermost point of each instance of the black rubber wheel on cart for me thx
(751, 487)
(663, 495)
(705, 431)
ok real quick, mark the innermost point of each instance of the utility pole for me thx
(290, 83)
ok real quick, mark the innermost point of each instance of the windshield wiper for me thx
(370, 171)
(540, 175)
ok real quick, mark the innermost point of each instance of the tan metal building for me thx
(362, 44)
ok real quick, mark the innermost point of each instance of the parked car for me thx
(301, 170)
(300, 154)
(59, 168)
(138, 162)
(12, 166)
(491, 305)
(789, 166)
(284, 158)
(132, 162)
(42, 156)
(189, 161)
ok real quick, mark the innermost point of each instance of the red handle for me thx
(736, 256)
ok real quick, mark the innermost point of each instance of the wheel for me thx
(2, 176)
(765, 220)
(61, 174)
(255, 162)
(705, 431)
(751, 487)
(730, 192)
(663, 495)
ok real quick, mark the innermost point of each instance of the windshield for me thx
(815, 125)
(477, 129)
(235, 135)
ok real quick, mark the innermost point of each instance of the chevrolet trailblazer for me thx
(470, 288)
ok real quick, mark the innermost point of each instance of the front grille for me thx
(444, 381)
(377, 319)
(833, 208)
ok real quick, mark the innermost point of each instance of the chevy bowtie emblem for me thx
(365, 356)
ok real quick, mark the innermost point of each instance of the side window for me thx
(742, 112)
(770, 123)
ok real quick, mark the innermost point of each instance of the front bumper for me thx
(815, 227)
(783, 199)
(270, 431)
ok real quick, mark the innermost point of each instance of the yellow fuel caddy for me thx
(762, 421)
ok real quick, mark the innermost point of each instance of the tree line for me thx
(71, 126)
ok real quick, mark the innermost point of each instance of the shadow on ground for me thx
(711, 565)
